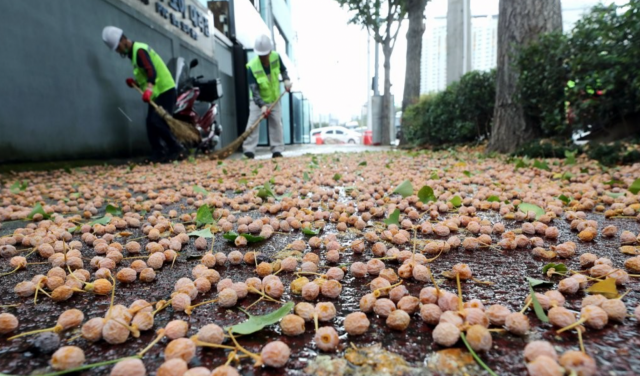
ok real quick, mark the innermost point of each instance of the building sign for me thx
(187, 18)
(176, 9)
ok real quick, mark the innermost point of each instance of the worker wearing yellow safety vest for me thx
(153, 77)
(264, 88)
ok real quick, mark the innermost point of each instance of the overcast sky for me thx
(332, 55)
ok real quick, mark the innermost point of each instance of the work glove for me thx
(287, 85)
(146, 97)
(265, 111)
(131, 82)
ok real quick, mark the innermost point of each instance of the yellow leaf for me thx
(606, 288)
(460, 164)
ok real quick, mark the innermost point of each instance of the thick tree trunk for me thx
(385, 125)
(520, 22)
(415, 11)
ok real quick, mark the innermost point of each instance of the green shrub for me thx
(603, 65)
(546, 149)
(615, 153)
(543, 77)
(461, 113)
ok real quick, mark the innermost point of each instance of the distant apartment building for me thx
(484, 44)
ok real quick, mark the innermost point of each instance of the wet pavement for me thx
(615, 348)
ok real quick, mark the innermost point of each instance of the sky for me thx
(331, 55)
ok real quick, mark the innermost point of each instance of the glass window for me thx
(330, 132)
(339, 131)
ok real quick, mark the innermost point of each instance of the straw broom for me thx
(232, 147)
(184, 132)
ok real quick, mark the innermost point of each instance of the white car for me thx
(336, 135)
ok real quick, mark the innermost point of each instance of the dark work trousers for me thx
(158, 130)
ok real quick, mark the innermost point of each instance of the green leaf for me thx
(314, 159)
(538, 282)
(232, 235)
(541, 165)
(584, 170)
(309, 231)
(564, 199)
(526, 208)
(570, 157)
(305, 176)
(387, 165)
(615, 195)
(456, 201)
(567, 175)
(560, 268)
(114, 210)
(19, 187)
(199, 189)
(265, 191)
(405, 189)
(38, 210)
(493, 199)
(394, 218)
(425, 195)
(74, 195)
(537, 307)
(475, 356)
(243, 181)
(337, 177)
(100, 221)
(220, 163)
(277, 168)
(257, 323)
(635, 187)
(220, 181)
(254, 171)
(203, 216)
(614, 181)
(434, 176)
(362, 163)
(466, 173)
(224, 171)
(520, 164)
(206, 233)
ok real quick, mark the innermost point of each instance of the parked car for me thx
(336, 135)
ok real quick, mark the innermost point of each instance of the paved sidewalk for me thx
(264, 152)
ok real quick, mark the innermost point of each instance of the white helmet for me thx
(111, 36)
(263, 45)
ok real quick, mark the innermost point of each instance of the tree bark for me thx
(520, 23)
(411, 95)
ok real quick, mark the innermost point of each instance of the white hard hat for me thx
(263, 45)
(111, 36)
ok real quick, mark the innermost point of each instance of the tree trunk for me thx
(386, 125)
(520, 23)
(411, 95)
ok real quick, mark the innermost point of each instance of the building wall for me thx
(63, 91)
(484, 42)
(434, 56)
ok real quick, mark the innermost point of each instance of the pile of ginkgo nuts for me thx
(265, 267)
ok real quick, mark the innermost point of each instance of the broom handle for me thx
(142, 93)
(270, 108)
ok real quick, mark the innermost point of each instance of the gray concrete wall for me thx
(63, 92)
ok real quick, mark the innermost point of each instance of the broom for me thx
(232, 147)
(183, 131)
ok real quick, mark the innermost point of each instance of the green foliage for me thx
(543, 75)
(611, 154)
(603, 65)
(547, 149)
(462, 113)
(257, 323)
